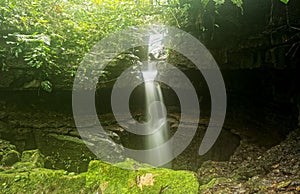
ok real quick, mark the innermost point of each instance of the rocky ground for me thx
(255, 170)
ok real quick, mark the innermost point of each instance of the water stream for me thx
(156, 114)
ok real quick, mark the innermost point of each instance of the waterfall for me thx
(156, 113)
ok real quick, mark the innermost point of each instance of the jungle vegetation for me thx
(53, 36)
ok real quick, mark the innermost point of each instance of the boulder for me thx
(33, 156)
(63, 152)
(102, 178)
(8, 153)
(106, 178)
(10, 158)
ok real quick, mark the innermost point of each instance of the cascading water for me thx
(155, 109)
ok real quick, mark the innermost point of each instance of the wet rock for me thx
(30, 160)
(5, 148)
(104, 147)
(33, 156)
(72, 154)
(10, 158)
(74, 133)
(64, 152)
(41, 180)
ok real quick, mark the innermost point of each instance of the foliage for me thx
(53, 36)
(201, 13)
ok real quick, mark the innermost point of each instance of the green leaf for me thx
(284, 1)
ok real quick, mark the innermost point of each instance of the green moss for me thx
(41, 181)
(23, 178)
(30, 160)
(28, 176)
(64, 152)
(6, 146)
(33, 156)
(118, 180)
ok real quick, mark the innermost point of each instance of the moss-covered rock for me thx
(33, 156)
(10, 158)
(28, 176)
(101, 177)
(113, 179)
(5, 147)
(41, 180)
(30, 159)
(8, 153)
(64, 152)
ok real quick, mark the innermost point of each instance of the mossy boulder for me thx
(8, 153)
(30, 159)
(41, 180)
(102, 178)
(64, 152)
(28, 176)
(5, 147)
(33, 156)
(142, 179)
(10, 158)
